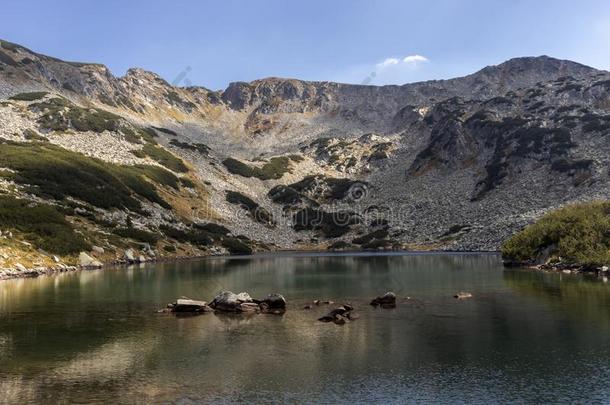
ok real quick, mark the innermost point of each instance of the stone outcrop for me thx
(387, 300)
(88, 262)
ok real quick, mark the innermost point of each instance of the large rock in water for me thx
(188, 305)
(387, 300)
(228, 301)
(273, 304)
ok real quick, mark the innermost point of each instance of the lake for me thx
(92, 336)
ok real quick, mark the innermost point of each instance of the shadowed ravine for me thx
(95, 335)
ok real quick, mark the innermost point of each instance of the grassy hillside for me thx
(574, 235)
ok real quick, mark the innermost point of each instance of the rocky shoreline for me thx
(87, 262)
(21, 271)
(90, 263)
(559, 267)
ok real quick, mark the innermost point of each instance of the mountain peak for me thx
(538, 65)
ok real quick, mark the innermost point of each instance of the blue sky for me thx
(377, 42)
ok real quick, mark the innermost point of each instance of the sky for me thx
(213, 43)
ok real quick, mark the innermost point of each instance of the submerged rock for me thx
(340, 315)
(387, 300)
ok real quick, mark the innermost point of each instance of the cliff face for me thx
(456, 164)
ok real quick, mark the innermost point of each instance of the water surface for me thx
(95, 336)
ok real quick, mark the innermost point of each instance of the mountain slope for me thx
(456, 164)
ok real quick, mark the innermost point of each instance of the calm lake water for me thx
(95, 336)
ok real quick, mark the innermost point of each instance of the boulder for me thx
(129, 256)
(228, 301)
(98, 250)
(87, 261)
(273, 304)
(387, 300)
(20, 267)
(187, 305)
(275, 301)
(141, 259)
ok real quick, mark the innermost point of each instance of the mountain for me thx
(134, 162)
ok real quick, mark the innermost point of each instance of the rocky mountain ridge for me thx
(283, 163)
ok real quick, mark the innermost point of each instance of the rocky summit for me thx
(133, 164)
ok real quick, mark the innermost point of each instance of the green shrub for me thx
(186, 182)
(148, 134)
(197, 147)
(579, 234)
(137, 234)
(32, 135)
(163, 157)
(166, 131)
(258, 213)
(378, 234)
(340, 245)
(60, 114)
(330, 224)
(10, 46)
(195, 236)
(275, 168)
(35, 95)
(41, 224)
(236, 246)
(378, 244)
(212, 228)
(52, 171)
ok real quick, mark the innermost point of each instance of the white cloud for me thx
(388, 62)
(391, 70)
(414, 59)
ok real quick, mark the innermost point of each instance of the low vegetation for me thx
(258, 213)
(35, 95)
(163, 157)
(139, 235)
(41, 224)
(53, 172)
(196, 147)
(236, 245)
(275, 168)
(574, 235)
(329, 224)
(60, 114)
(319, 187)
